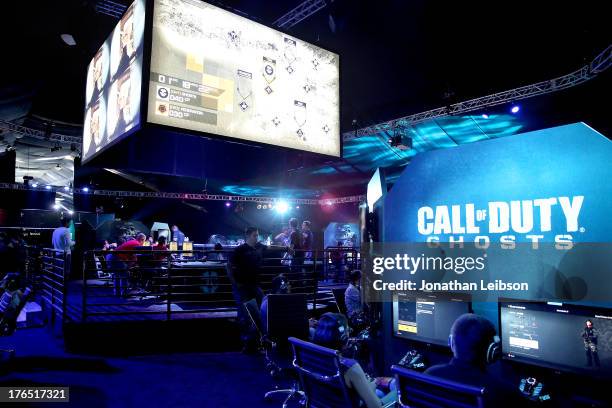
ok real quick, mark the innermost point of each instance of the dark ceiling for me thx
(397, 56)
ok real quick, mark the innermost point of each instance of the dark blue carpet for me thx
(170, 380)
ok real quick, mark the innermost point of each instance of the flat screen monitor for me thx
(555, 335)
(376, 189)
(113, 87)
(219, 73)
(428, 316)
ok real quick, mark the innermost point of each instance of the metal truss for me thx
(186, 196)
(110, 8)
(40, 134)
(301, 12)
(597, 66)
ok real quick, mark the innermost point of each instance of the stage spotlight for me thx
(48, 187)
(297, 207)
(66, 188)
(485, 116)
(228, 204)
(259, 206)
(85, 189)
(35, 185)
(56, 206)
(70, 212)
(282, 207)
(329, 203)
(515, 109)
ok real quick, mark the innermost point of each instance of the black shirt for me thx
(307, 240)
(497, 393)
(295, 239)
(247, 262)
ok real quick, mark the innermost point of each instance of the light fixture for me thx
(515, 109)
(228, 204)
(485, 116)
(70, 212)
(282, 207)
(66, 188)
(56, 206)
(48, 187)
(85, 189)
(35, 185)
(68, 39)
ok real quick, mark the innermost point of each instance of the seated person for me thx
(332, 332)
(217, 254)
(352, 295)
(161, 244)
(469, 340)
(280, 286)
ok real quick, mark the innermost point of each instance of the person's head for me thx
(589, 324)
(140, 237)
(124, 85)
(293, 223)
(355, 276)
(332, 331)
(470, 338)
(175, 228)
(218, 247)
(64, 222)
(126, 35)
(281, 285)
(306, 225)
(161, 240)
(251, 235)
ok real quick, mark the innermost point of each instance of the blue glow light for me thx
(485, 116)
(85, 189)
(66, 188)
(228, 204)
(515, 109)
(48, 187)
(282, 207)
(35, 185)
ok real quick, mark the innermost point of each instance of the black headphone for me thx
(342, 330)
(494, 350)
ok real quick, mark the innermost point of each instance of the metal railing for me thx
(50, 274)
(150, 284)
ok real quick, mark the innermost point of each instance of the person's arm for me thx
(366, 390)
(68, 242)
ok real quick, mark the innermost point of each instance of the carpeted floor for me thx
(170, 380)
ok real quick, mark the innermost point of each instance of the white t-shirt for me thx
(62, 239)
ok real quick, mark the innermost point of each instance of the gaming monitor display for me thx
(555, 335)
(428, 317)
(112, 91)
(215, 72)
(376, 188)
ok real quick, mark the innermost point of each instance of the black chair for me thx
(286, 317)
(417, 390)
(339, 298)
(321, 376)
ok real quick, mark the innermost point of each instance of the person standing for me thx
(589, 337)
(307, 239)
(246, 266)
(177, 235)
(295, 246)
(62, 238)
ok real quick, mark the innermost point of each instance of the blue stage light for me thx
(515, 109)
(66, 188)
(282, 207)
(228, 204)
(485, 116)
(48, 187)
(85, 189)
(35, 185)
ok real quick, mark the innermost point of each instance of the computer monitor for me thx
(552, 335)
(428, 316)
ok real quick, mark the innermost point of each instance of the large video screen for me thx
(216, 72)
(114, 78)
(566, 337)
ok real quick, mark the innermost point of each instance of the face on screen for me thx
(97, 70)
(127, 33)
(94, 129)
(123, 97)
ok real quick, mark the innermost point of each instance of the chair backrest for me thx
(287, 317)
(321, 376)
(340, 302)
(8, 321)
(418, 390)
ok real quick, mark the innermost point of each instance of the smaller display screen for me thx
(561, 336)
(112, 90)
(428, 317)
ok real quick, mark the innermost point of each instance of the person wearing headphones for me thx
(333, 332)
(475, 345)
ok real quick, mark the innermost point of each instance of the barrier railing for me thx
(178, 284)
(51, 280)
